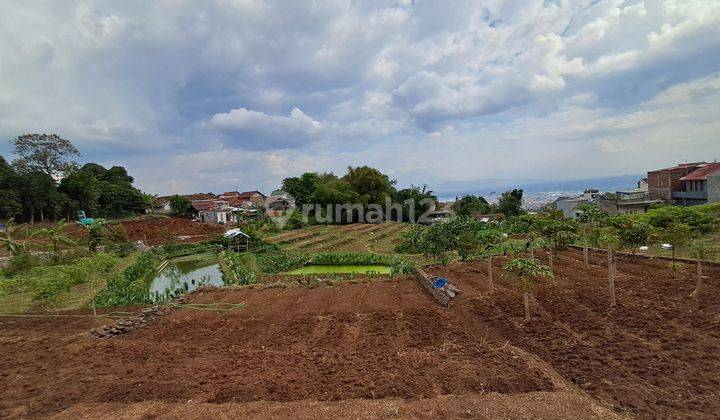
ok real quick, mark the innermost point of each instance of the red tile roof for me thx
(702, 173)
(681, 166)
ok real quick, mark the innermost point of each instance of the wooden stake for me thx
(490, 275)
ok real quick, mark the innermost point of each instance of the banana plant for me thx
(56, 236)
(8, 241)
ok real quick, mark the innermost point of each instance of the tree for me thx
(470, 204)
(372, 185)
(634, 233)
(34, 189)
(96, 231)
(558, 234)
(421, 198)
(609, 239)
(83, 190)
(302, 188)
(488, 240)
(437, 242)
(527, 271)
(699, 251)
(677, 235)
(510, 203)
(48, 153)
(589, 215)
(56, 236)
(179, 205)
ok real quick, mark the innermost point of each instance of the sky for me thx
(226, 95)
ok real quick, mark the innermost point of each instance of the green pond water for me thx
(187, 274)
(341, 269)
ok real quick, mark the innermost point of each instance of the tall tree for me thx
(422, 200)
(470, 204)
(179, 205)
(48, 153)
(510, 203)
(372, 185)
(302, 188)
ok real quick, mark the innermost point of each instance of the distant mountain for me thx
(539, 190)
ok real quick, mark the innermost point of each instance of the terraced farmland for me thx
(379, 238)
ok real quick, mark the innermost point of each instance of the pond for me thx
(185, 274)
(341, 269)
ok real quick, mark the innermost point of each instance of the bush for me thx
(242, 267)
(48, 281)
(699, 218)
(130, 287)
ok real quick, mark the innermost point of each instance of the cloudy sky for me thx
(237, 94)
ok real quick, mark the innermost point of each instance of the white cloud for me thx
(282, 86)
(258, 130)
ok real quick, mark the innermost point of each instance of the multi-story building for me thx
(662, 182)
(701, 186)
(631, 201)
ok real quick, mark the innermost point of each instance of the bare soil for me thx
(384, 348)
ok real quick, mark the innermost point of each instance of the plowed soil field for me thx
(385, 349)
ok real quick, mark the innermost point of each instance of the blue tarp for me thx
(440, 282)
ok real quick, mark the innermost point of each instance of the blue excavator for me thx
(82, 219)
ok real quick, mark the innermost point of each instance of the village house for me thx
(662, 182)
(629, 201)
(569, 205)
(215, 211)
(246, 200)
(686, 184)
(162, 204)
(701, 186)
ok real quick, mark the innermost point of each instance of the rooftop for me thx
(703, 172)
(681, 166)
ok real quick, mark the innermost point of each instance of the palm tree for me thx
(57, 237)
(7, 241)
(526, 271)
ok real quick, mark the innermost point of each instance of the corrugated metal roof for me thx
(702, 173)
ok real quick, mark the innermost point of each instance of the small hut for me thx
(237, 240)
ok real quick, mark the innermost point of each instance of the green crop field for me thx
(376, 238)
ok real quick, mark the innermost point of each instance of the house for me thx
(162, 204)
(215, 211)
(662, 182)
(569, 205)
(642, 184)
(701, 186)
(246, 199)
(630, 201)
(278, 203)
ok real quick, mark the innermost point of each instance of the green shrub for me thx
(47, 281)
(131, 285)
(243, 267)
